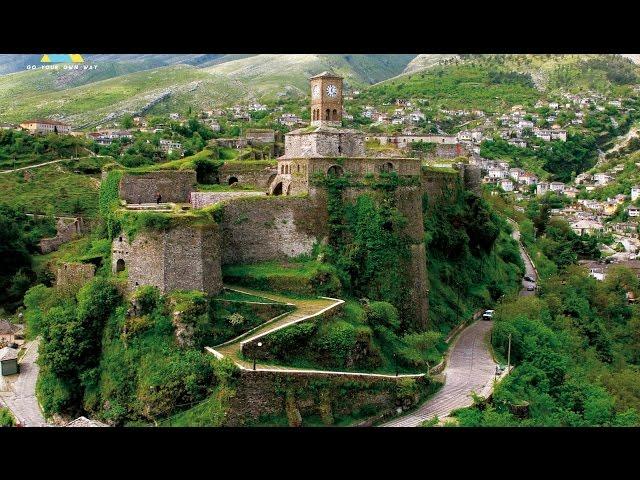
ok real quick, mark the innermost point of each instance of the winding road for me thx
(470, 366)
(19, 395)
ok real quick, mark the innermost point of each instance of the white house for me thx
(635, 193)
(634, 211)
(557, 187)
(506, 184)
(542, 188)
(602, 178)
(528, 179)
(588, 227)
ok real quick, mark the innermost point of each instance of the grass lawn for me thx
(53, 189)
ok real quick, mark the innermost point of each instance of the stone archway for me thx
(387, 167)
(120, 265)
(277, 190)
(335, 171)
(233, 180)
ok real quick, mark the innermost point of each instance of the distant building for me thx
(528, 179)
(557, 187)
(46, 126)
(169, 146)
(9, 332)
(84, 422)
(256, 136)
(635, 193)
(9, 361)
(634, 211)
(588, 227)
(542, 188)
(506, 184)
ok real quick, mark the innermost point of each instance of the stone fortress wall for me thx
(247, 173)
(173, 185)
(271, 228)
(181, 258)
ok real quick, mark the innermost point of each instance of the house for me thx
(497, 173)
(9, 332)
(506, 184)
(528, 179)
(9, 361)
(596, 269)
(635, 193)
(257, 136)
(416, 117)
(633, 211)
(548, 135)
(610, 208)
(46, 126)
(8, 126)
(571, 192)
(169, 146)
(213, 124)
(542, 188)
(583, 178)
(586, 227)
(290, 120)
(602, 179)
(84, 422)
(174, 116)
(515, 173)
(557, 187)
(554, 105)
(517, 142)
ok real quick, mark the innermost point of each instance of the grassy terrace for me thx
(55, 189)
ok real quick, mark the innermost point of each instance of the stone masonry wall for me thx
(324, 144)
(184, 258)
(251, 349)
(299, 395)
(72, 276)
(260, 229)
(202, 199)
(247, 173)
(172, 185)
(66, 230)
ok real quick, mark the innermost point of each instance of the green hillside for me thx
(89, 97)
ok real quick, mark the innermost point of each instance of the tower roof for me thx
(325, 74)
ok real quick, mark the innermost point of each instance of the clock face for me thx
(315, 92)
(332, 90)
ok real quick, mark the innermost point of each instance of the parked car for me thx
(529, 278)
(488, 315)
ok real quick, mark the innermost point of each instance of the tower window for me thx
(335, 114)
(327, 114)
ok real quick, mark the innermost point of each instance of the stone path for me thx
(19, 394)
(305, 309)
(470, 368)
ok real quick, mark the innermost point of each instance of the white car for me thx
(488, 314)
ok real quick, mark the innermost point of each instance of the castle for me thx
(287, 219)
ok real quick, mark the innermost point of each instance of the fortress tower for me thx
(326, 100)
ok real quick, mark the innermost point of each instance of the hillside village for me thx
(206, 201)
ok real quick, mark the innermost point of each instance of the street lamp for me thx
(395, 361)
(254, 356)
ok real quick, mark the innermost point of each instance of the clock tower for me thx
(326, 100)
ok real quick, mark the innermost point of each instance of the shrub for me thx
(147, 299)
(6, 418)
(384, 314)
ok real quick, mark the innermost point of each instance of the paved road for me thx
(21, 395)
(530, 271)
(470, 368)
